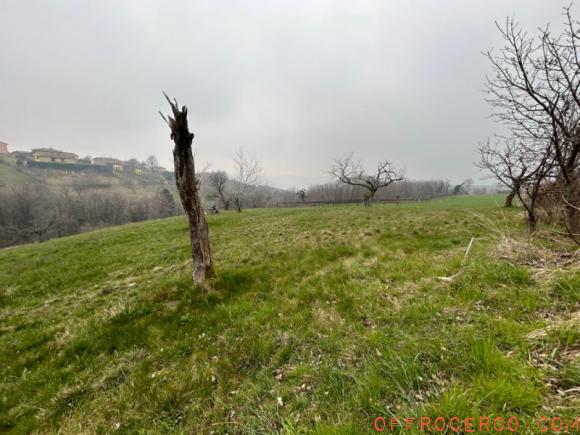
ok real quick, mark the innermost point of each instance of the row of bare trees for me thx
(534, 91)
(33, 213)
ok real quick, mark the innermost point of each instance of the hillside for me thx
(322, 318)
(13, 175)
(124, 183)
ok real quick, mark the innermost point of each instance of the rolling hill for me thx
(322, 320)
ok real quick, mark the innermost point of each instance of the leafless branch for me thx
(348, 171)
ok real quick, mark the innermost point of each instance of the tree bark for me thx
(572, 204)
(532, 221)
(371, 197)
(573, 220)
(238, 204)
(530, 210)
(188, 188)
(510, 198)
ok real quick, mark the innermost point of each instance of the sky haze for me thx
(294, 83)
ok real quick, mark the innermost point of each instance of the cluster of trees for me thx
(534, 91)
(240, 190)
(35, 212)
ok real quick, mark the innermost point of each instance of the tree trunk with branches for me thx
(347, 171)
(535, 91)
(247, 171)
(188, 188)
(219, 181)
(520, 167)
(509, 199)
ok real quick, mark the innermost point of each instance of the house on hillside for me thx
(22, 157)
(158, 169)
(25, 155)
(115, 164)
(3, 148)
(132, 167)
(50, 155)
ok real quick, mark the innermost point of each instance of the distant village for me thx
(50, 158)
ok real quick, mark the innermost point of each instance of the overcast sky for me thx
(296, 82)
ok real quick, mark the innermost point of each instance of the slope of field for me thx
(322, 319)
(10, 175)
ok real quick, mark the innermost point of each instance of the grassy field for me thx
(322, 320)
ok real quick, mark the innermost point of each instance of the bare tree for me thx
(506, 165)
(218, 181)
(520, 167)
(403, 189)
(463, 188)
(246, 176)
(347, 171)
(166, 203)
(29, 213)
(151, 162)
(535, 91)
(301, 194)
(188, 188)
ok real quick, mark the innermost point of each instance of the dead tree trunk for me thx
(188, 186)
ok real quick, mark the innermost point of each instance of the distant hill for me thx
(42, 200)
(93, 177)
(14, 173)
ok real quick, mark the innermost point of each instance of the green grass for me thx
(10, 173)
(322, 319)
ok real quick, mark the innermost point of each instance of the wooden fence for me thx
(308, 203)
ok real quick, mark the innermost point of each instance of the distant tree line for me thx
(423, 189)
(36, 212)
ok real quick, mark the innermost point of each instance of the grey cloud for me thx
(296, 83)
